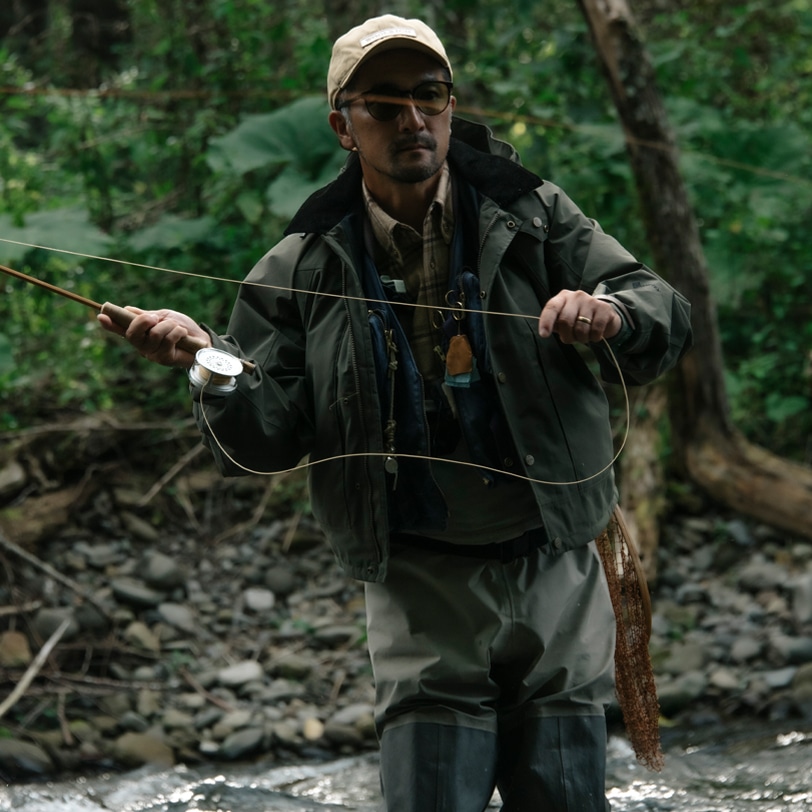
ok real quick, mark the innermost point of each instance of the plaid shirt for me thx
(422, 262)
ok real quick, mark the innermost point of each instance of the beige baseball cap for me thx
(374, 36)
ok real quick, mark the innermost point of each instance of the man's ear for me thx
(340, 127)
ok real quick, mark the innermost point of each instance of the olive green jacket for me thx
(301, 317)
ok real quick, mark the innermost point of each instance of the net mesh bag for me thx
(634, 678)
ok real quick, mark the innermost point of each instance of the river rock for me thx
(137, 749)
(312, 729)
(24, 760)
(138, 634)
(281, 580)
(802, 689)
(140, 528)
(230, 722)
(745, 648)
(338, 635)
(292, 666)
(91, 620)
(160, 571)
(685, 656)
(258, 599)
(779, 678)
(135, 592)
(48, 620)
(240, 673)
(725, 679)
(802, 599)
(15, 652)
(179, 616)
(357, 715)
(343, 734)
(760, 574)
(678, 693)
(791, 650)
(99, 556)
(174, 718)
(242, 743)
(12, 479)
(133, 722)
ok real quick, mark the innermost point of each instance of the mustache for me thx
(425, 140)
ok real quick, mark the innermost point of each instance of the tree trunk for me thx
(640, 473)
(708, 447)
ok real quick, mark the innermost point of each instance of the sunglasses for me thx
(430, 98)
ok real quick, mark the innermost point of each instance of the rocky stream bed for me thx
(196, 620)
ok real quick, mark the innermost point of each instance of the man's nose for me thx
(409, 117)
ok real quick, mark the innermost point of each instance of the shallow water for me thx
(751, 768)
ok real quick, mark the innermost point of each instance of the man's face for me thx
(410, 148)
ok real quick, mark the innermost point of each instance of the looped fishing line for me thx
(426, 457)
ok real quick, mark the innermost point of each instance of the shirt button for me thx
(529, 459)
(501, 377)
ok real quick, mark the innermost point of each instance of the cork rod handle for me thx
(123, 318)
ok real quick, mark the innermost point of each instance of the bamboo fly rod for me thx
(116, 314)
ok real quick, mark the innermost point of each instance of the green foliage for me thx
(204, 131)
(292, 143)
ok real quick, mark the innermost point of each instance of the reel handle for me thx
(123, 318)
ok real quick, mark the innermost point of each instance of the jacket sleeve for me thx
(266, 424)
(657, 318)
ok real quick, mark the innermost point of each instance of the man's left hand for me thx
(577, 316)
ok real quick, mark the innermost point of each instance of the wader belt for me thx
(504, 551)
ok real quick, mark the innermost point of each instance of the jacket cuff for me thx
(627, 322)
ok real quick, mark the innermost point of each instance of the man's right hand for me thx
(156, 333)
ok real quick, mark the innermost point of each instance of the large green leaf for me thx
(68, 229)
(172, 232)
(291, 187)
(297, 134)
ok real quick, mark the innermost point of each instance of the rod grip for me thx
(123, 317)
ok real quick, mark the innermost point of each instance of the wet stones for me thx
(253, 646)
(732, 622)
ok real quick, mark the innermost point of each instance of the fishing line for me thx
(303, 291)
(425, 457)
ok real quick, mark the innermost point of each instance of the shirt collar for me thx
(440, 215)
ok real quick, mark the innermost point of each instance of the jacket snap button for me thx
(537, 222)
(501, 377)
(508, 462)
(529, 459)
(558, 544)
(511, 224)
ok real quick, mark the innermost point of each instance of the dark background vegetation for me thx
(182, 134)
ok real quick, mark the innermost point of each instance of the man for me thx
(460, 453)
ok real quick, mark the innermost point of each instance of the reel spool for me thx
(216, 370)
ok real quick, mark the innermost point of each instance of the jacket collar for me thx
(489, 165)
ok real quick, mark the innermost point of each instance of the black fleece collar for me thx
(497, 177)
